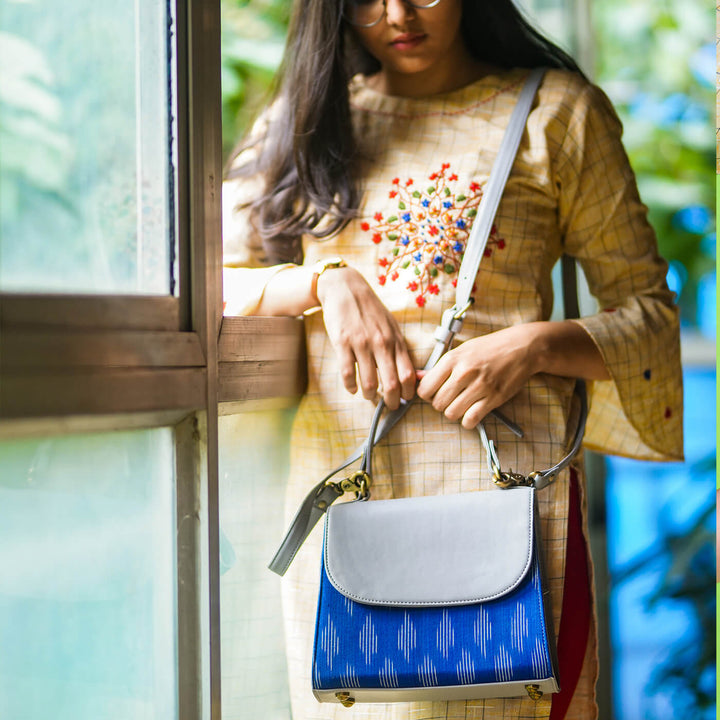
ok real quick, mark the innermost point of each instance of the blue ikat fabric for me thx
(358, 645)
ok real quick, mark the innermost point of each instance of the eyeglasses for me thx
(366, 13)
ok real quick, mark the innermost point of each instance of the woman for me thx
(376, 150)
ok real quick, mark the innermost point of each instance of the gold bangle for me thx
(320, 267)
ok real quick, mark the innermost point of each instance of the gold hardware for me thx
(534, 692)
(459, 314)
(358, 482)
(510, 479)
(346, 700)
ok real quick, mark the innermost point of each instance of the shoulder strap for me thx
(326, 492)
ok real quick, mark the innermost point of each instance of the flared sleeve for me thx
(638, 413)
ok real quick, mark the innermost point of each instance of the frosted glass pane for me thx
(253, 473)
(86, 199)
(88, 580)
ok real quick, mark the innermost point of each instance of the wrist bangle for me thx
(320, 267)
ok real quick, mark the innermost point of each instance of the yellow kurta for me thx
(426, 162)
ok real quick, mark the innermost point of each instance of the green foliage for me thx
(253, 39)
(657, 64)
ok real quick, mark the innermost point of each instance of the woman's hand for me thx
(479, 375)
(485, 372)
(366, 337)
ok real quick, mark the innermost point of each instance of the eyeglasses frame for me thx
(384, 12)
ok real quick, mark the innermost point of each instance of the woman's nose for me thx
(398, 11)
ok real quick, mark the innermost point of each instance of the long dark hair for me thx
(307, 155)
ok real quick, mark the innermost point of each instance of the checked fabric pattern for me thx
(358, 645)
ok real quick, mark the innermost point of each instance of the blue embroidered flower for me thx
(425, 203)
(447, 204)
(406, 217)
(460, 223)
(458, 246)
(438, 259)
(405, 240)
(417, 256)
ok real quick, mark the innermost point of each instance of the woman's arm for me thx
(485, 372)
(366, 337)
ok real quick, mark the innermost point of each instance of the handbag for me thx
(441, 597)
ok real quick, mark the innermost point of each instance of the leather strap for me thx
(323, 494)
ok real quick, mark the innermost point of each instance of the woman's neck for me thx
(434, 81)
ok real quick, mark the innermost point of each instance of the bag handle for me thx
(542, 478)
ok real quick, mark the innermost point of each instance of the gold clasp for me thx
(534, 692)
(510, 479)
(346, 700)
(359, 483)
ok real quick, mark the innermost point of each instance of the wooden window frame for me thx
(89, 363)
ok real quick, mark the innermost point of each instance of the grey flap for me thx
(440, 550)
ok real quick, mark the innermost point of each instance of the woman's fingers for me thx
(367, 339)
(346, 360)
(396, 372)
(478, 376)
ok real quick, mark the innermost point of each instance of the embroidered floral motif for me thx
(427, 236)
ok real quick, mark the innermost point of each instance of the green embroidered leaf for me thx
(461, 197)
(416, 194)
(393, 236)
(434, 271)
(396, 250)
(402, 205)
(417, 270)
(392, 219)
(449, 269)
(472, 212)
(430, 190)
(405, 264)
(447, 192)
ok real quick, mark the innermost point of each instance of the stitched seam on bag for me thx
(431, 603)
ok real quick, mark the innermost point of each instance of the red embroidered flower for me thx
(365, 226)
(427, 232)
(487, 252)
